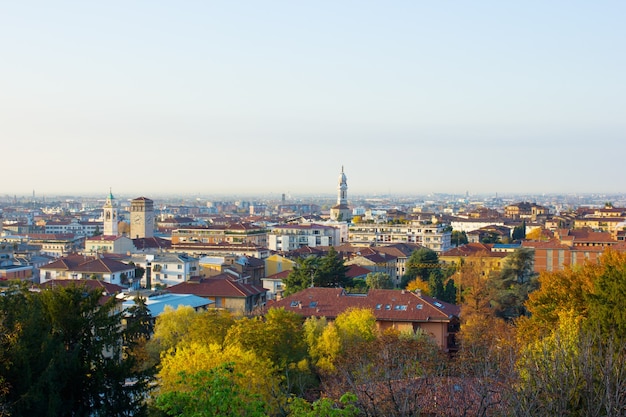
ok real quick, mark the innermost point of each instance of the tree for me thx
(332, 270)
(421, 263)
(327, 271)
(209, 393)
(303, 275)
(458, 238)
(324, 407)
(255, 374)
(378, 280)
(418, 284)
(65, 358)
(519, 232)
(607, 303)
(512, 285)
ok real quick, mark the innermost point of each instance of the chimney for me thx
(148, 275)
(418, 292)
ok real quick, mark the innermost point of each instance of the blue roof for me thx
(157, 304)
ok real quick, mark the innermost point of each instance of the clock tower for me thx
(110, 216)
(141, 218)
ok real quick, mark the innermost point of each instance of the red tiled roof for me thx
(91, 284)
(218, 286)
(80, 263)
(387, 305)
(355, 271)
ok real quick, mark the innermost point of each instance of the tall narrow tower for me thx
(341, 211)
(141, 218)
(110, 216)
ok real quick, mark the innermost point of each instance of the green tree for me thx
(327, 271)
(512, 285)
(325, 407)
(458, 238)
(209, 393)
(66, 357)
(420, 264)
(378, 280)
(303, 275)
(519, 232)
(607, 303)
(333, 270)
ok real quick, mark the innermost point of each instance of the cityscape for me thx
(292, 209)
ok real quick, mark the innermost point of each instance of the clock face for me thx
(136, 219)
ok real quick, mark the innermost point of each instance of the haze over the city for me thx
(275, 96)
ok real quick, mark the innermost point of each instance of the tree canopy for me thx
(65, 357)
(327, 271)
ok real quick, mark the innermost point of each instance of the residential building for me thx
(275, 264)
(234, 233)
(481, 255)
(433, 236)
(393, 309)
(377, 262)
(166, 268)
(73, 226)
(235, 297)
(220, 249)
(288, 237)
(109, 244)
(526, 210)
(87, 267)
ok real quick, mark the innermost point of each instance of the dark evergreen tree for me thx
(421, 263)
(66, 357)
(327, 271)
(511, 286)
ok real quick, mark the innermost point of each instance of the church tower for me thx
(341, 211)
(141, 218)
(110, 216)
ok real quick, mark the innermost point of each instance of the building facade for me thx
(141, 218)
(433, 236)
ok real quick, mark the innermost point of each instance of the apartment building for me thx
(434, 236)
(288, 237)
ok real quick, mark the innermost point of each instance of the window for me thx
(180, 266)
(378, 306)
(388, 307)
(295, 303)
(400, 307)
(419, 306)
(313, 304)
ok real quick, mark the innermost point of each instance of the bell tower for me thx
(141, 218)
(110, 216)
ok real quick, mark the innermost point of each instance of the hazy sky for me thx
(275, 96)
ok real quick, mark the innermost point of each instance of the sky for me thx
(410, 97)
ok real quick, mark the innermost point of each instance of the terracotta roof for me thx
(79, 263)
(387, 305)
(283, 274)
(217, 286)
(91, 284)
(151, 243)
(355, 271)
(474, 249)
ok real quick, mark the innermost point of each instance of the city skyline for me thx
(245, 98)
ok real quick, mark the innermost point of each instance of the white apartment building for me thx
(288, 237)
(73, 226)
(430, 235)
(167, 268)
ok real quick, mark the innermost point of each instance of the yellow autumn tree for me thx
(418, 284)
(250, 372)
